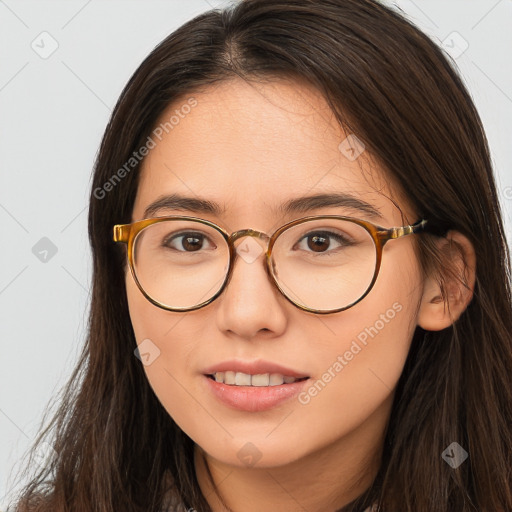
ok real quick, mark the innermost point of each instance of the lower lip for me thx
(254, 398)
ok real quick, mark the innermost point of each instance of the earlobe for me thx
(442, 305)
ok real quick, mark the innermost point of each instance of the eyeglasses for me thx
(321, 264)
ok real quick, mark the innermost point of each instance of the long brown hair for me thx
(115, 445)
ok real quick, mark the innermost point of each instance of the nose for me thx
(250, 302)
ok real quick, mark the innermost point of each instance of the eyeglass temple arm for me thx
(405, 230)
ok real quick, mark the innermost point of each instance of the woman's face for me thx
(252, 148)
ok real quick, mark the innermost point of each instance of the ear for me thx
(440, 306)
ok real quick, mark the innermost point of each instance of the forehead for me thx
(255, 146)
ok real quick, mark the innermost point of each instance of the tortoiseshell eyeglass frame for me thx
(127, 233)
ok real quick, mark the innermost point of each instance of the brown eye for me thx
(186, 242)
(322, 241)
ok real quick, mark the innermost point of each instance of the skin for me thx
(251, 147)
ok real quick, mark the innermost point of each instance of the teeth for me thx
(242, 379)
(245, 379)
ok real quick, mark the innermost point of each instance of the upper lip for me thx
(257, 367)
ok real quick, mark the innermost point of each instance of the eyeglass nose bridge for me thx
(248, 232)
(236, 235)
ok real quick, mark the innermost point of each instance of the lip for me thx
(253, 399)
(257, 367)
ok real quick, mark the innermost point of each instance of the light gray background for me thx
(53, 113)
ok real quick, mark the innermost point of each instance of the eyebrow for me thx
(296, 205)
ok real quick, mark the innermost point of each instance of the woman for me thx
(295, 229)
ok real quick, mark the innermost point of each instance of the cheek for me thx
(150, 325)
(388, 328)
(360, 372)
(362, 364)
(148, 321)
(167, 354)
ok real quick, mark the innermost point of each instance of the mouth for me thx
(232, 378)
(253, 386)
